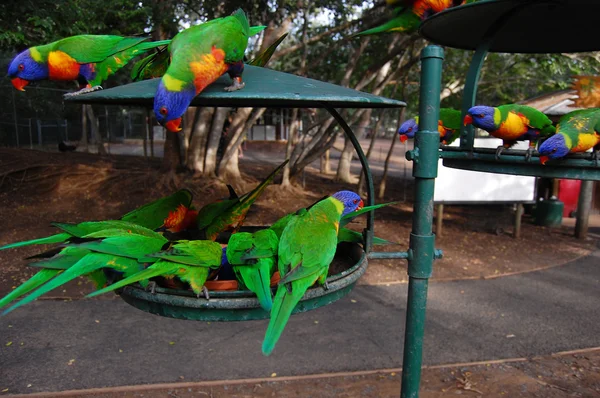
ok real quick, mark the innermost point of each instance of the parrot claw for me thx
(595, 157)
(325, 286)
(83, 91)
(151, 287)
(499, 151)
(529, 153)
(238, 84)
(205, 291)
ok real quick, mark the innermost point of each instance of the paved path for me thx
(76, 345)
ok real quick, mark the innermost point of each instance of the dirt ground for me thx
(557, 376)
(38, 187)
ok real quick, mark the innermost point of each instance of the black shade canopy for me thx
(264, 88)
(523, 26)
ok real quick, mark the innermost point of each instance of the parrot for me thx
(448, 126)
(89, 59)
(152, 215)
(306, 248)
(511, 123)
(576, 131)
(190, 261)
(199, 56)
(118, 250)
(410, 14)
(230, 214)
(155, 65)
(253, 257)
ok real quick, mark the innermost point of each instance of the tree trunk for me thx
(189, 119)
(389, 154)
(344, 173)
(83, 143)
(325, 163)
(216, 130)
(361, 181)
(285, 181)
(195, 157)
(95, 131)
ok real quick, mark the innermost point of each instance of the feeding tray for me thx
(349, 264)
(575, 166)
(518, 26)
(264, 88)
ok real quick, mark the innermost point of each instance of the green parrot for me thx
(190, 261)
(306, 248)
(118, 250)
(230, 214)
(449, 125)
(151, 215)
(511, 123)
(89, 59)
(199, 56)
(344, 234)
(253, 258)
(156, 64)
(577, 131)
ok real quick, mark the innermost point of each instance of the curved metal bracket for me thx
(365, 169)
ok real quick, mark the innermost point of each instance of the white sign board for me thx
(465, 186)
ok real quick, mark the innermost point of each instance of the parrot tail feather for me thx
(58, 238)
(41, 277)
(140, 276)
(283, 305)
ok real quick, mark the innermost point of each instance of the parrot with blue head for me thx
(89, 59)
(199, 56)
(306, 248)
(577, 131)
(448, 126)
(511, 123)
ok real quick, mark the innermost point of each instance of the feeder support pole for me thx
(421, 253)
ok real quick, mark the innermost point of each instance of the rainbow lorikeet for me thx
(229, 214)
(89, 59)
(306, 248)
(156, 64)
(411, 13)
(577, 131)
(152, 215)
(118, 249)
(511, 123)
(199, 56)
(253, 257)
(448, 126)
(190, 261)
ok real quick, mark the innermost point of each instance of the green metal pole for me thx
(467, 133)
(422, 240)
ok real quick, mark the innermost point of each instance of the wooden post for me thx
(518, 216)
(584, 205)
(439, 218)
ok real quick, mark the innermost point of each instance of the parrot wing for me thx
(263, 58)
(200, 253)
(153, 214)
(132, 246)
(87, 49)
(58, 238)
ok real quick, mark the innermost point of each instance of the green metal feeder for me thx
(264, 88)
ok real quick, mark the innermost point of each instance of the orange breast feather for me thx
(61, 66)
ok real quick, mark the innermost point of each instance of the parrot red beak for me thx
(403, 138)
(543, 159)
(19, 83)
(173, 125)
(361, 204)
(468, 120)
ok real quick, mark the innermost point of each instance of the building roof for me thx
(556, 103)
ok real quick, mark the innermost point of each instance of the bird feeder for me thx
(264, 88)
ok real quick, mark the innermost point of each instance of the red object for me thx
(568, 193)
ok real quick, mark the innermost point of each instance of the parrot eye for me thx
(554, 150)
(355, 201)
(481, 115)
(163, 111)
(21, 67)
(409, 129)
